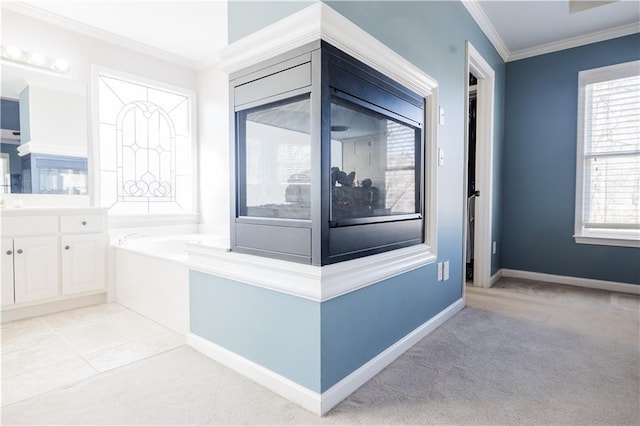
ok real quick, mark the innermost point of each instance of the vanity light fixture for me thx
(34, 59)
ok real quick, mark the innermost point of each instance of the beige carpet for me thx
(521, 352)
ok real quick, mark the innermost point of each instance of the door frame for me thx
(485, 74)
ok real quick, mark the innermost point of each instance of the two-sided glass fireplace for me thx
(328, 159)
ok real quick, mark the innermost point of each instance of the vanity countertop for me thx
(38, 211)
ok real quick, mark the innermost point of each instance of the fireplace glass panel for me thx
(277, 160)
(373, 164)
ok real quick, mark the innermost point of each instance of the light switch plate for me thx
(445, 272)
(440, 271)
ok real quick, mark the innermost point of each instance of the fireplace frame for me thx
(322, 71)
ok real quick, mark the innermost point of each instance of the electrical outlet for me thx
(445, 272)
(493, 247)
(440, 157)
(441, 116)
(440, 271)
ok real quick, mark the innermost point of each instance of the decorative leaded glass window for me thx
(145, 147)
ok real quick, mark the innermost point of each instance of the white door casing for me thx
(477, 65)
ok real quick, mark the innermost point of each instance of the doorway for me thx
(472, 192)
(478, 184)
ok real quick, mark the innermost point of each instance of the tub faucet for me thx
(122, 238)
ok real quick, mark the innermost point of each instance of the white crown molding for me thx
(474, 9)
(575, 41)
(320, 22)
(87, 30)
(318, 283)
(209, 61)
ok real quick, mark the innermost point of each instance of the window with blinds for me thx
(608, 199)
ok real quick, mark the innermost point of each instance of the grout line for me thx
(58, 335)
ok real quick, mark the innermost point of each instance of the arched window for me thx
(145, 154)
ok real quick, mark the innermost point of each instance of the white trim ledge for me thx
(575, 281)
(318, 283)
(607, 241)
(50, 149)
(142, 220)
(321, 404)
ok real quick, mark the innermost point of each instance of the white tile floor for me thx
(53, 351)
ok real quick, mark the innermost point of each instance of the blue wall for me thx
(540, 166)
(311, 343)
(276, 330)
(359, 325)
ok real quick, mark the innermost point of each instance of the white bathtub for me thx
(152, 279)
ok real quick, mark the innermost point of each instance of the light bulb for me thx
(60, 65)
(13, 52)
(38, 59)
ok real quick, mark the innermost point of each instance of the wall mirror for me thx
(44, 133)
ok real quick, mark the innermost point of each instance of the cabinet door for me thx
(7, 271)
(83, 263)
(35, 268)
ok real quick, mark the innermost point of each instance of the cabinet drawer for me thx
(29, 225)
(81, 224)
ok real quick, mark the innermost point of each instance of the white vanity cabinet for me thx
(83, 246)
(35, 268)
(52, 255)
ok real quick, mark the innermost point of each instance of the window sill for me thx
(132, 220)
(608, 240)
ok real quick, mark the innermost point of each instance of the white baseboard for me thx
(345, 387)
(575, 281)
(317, 403)
(287, 388)
(495, 278)
(13, 313)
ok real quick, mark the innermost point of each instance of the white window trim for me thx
(94, 151)
(582, 235)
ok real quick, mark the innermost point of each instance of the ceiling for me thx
(186, 31)
(193, 31)
(525, 28)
